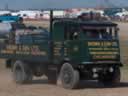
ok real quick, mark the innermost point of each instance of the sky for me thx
(59, 4)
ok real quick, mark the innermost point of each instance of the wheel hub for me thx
(67, 77)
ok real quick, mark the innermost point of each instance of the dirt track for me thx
(40, 87)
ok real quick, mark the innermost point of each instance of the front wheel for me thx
(111, 78)
(69, 76)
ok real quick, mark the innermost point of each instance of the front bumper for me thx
(100, 64)
(103, 62)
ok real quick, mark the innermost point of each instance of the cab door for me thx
(74, 50)
(73, 43)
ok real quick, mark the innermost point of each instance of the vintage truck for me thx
(73, 50)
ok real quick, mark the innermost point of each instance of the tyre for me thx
(111, 79)
(22, 73)
(69, 76)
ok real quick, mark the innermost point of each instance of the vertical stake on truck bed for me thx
(51, 35)
(51, 22)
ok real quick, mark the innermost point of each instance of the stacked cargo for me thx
(28, 36)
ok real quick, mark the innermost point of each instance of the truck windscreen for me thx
(100, 33)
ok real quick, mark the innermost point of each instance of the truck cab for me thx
(86, 42)
(90, 47)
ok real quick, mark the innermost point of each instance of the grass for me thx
(44, 24)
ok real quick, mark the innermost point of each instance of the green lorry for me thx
(73, 50)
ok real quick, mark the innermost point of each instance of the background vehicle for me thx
(9, 18)
(74, 49)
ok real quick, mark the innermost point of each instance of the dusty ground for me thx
(40, 87)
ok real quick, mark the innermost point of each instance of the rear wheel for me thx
(69, 76)
(22, 73)
(111, 78)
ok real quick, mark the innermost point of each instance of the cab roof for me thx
(87, 23)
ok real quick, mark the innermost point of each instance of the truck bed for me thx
(38, 52)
